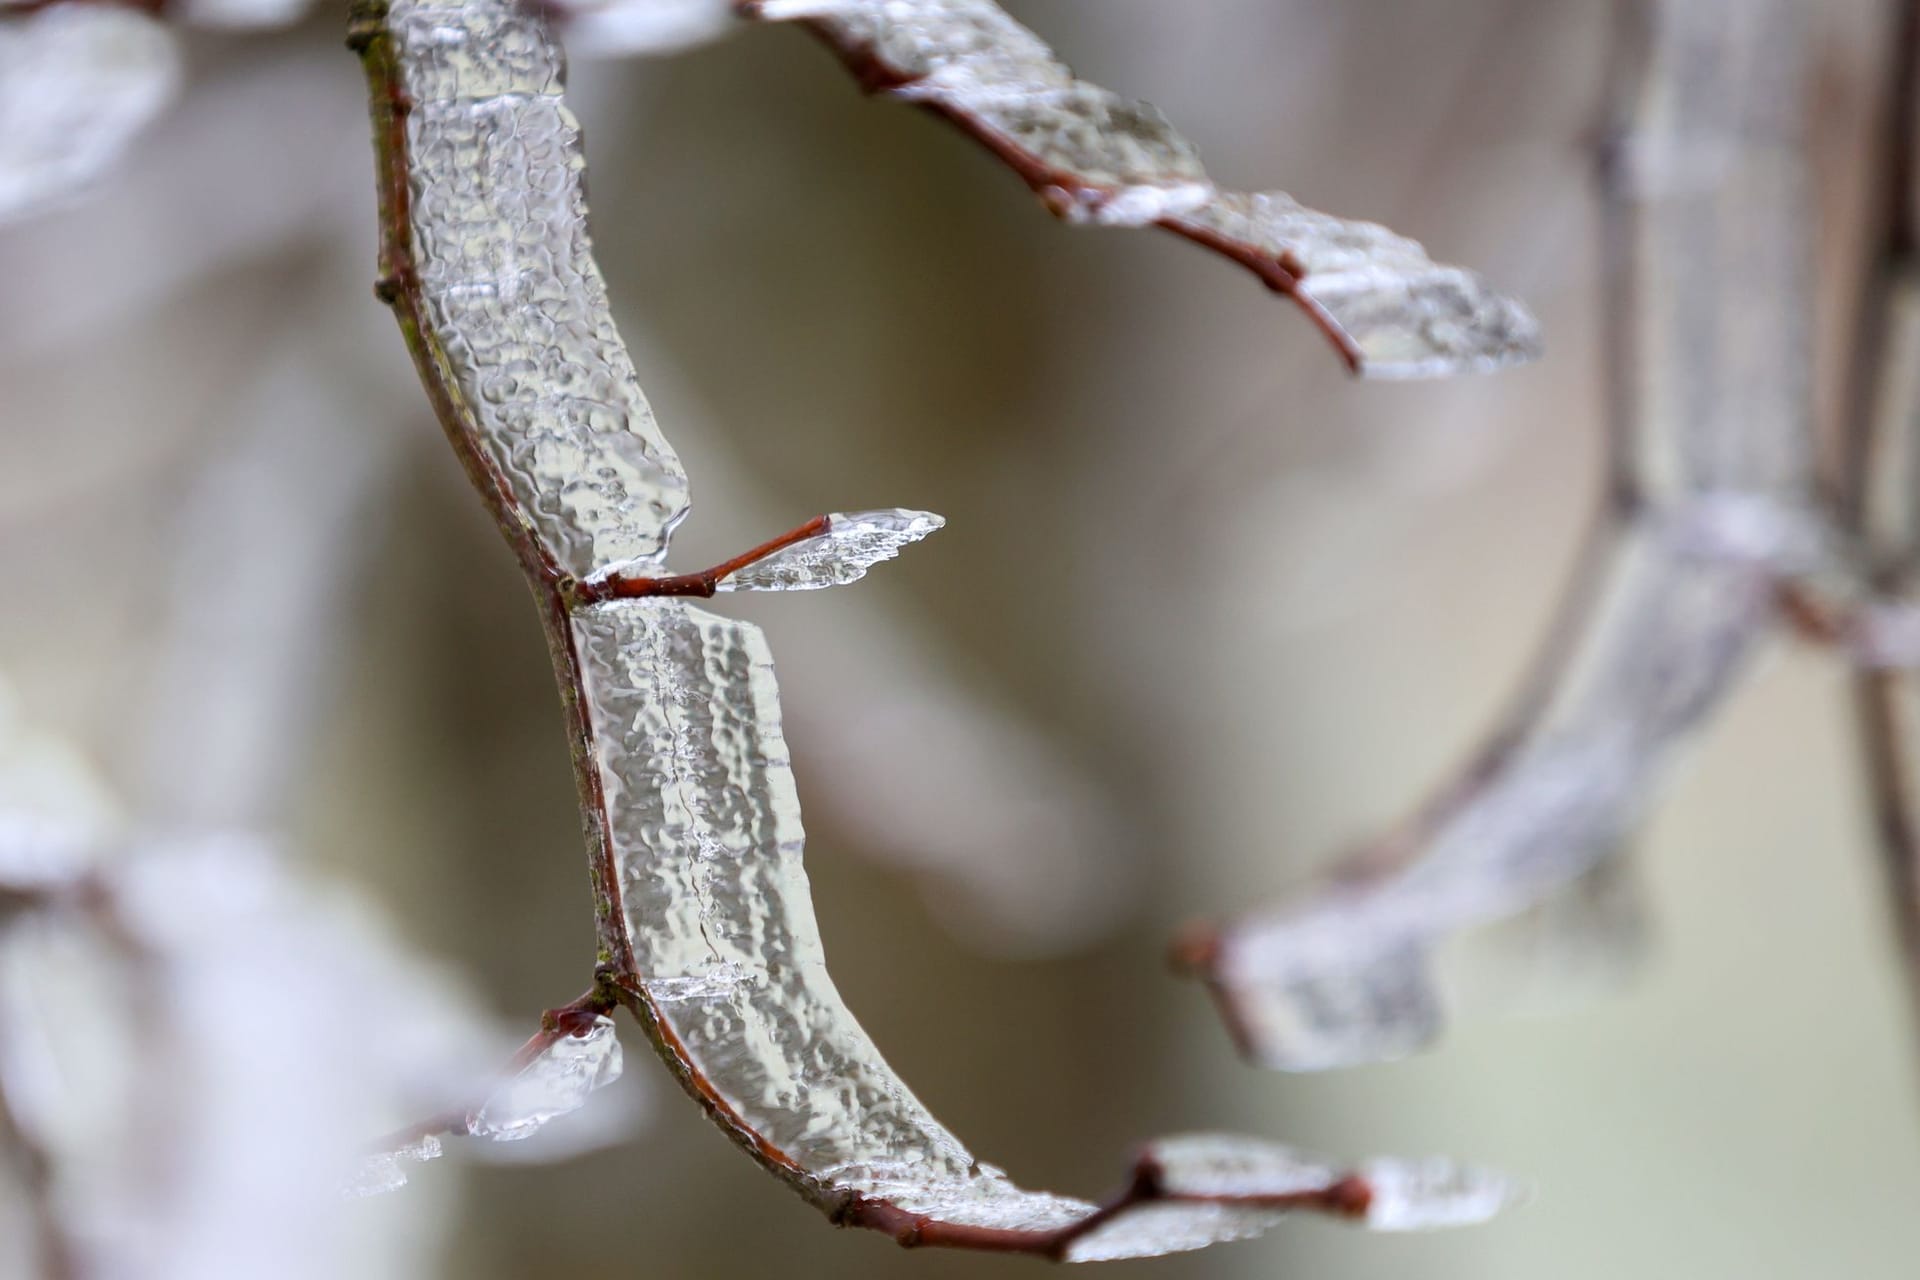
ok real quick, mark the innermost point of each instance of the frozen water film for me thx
(1099, 158)
(77, 84)
(515, 310)
(557, 1082)
(852, 543)
(704, 823)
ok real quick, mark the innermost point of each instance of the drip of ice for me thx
(853, 543)
(555, 1083)
(1419, 1195)
(77, 83)
(1098, 157)
(386, 1171)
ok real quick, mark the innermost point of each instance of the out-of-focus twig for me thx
(1882, 494)
(1710, 506)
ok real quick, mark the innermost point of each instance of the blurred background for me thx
(1206, 614)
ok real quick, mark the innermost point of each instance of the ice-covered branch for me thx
(1711, 511)
(1885, 501)
(1097, 158)
(705, 920)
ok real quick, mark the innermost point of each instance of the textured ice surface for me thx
(1099, 158)
(515, 306)
(555, 1083)
(1715, 444)
(853, 543)
(77, 83)
(704, 822)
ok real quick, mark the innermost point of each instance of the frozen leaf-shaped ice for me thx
(386, 1171)
(852, 543)
(556, 1082)
(77, 83)
(1097, 157)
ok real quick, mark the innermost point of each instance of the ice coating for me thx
(852, 543)
(386, 1171)
(78, 82)
(556, 1082)
(1714, 454)
(1419, 1195)
(704, 824)
(1096, 157)
(515, 310)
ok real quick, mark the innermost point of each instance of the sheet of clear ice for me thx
(515, 307)
(704, 822)
(1113, 161)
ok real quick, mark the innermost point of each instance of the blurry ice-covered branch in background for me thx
(196, 1041)
(1097, 158)
(1710, 511)
(704, 916)
(191, 1037)
(77, 83)
(1884, 482)
(80, 81)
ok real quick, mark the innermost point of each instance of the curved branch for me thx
(1094, 157)
(705, 921)
(1710, 509)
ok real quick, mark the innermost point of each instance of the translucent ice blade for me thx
(77, 83)
(513, 307)
(1095, 157)
(556, 1082)
(854, 542)
(703, 823)
(386, 1171)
